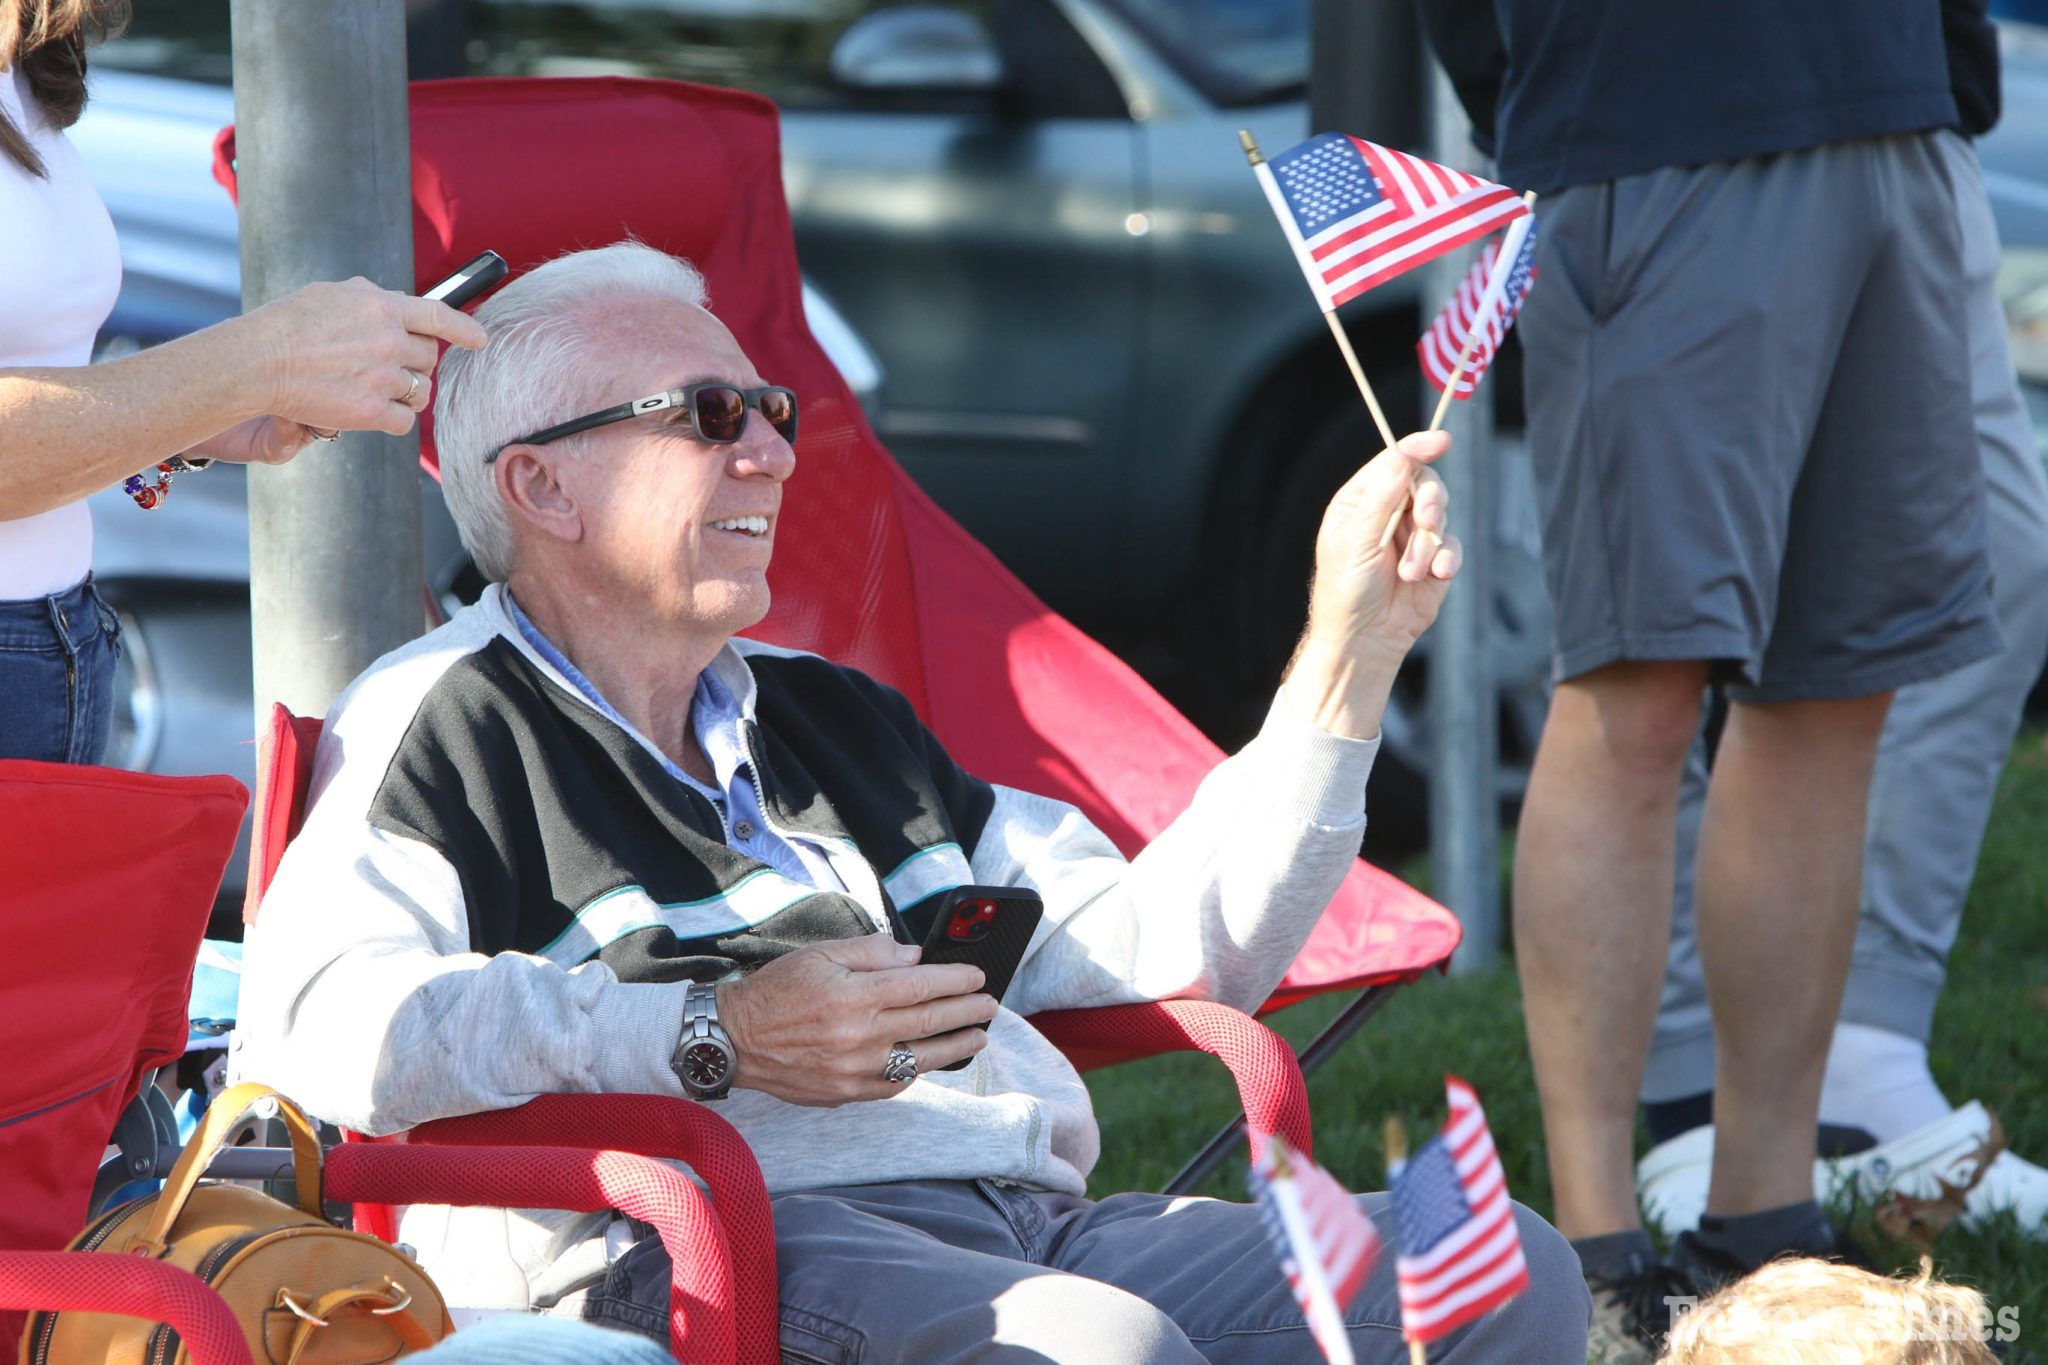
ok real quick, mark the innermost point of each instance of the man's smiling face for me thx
(684, 526)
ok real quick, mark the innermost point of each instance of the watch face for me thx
(705, 1065)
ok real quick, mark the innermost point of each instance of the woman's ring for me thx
(901, 1066)
(412, 387)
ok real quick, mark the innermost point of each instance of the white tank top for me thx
(60, 269)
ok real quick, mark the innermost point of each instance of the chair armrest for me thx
(675, 1130)
(1268, 1077)
(701, 1298)
(98, 1282)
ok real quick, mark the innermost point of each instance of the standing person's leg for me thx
(1783, 827)
(1678, 1084)
(1593, 867)
(1885, 582)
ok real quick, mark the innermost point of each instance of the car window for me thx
(778, 48)
(1237, 51)
(187, 39)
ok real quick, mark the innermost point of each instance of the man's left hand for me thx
(1370, 601)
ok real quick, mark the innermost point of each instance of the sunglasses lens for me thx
(720, 413)
(780, 410)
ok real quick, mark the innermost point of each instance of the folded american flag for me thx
(1460, 1255)
(1357, 214)
(1445, 340)
(1327, 1244)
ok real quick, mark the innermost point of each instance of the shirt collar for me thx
(718, 710)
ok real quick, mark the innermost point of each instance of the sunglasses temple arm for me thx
(596, 419)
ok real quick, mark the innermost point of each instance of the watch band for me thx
(704, 1060)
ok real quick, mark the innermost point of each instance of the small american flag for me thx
(1445, 340)
(1326, 1242)
(1357, 214)
(1460, 1255)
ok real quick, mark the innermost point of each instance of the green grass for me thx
(1990, 1043)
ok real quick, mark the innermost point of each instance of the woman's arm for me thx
(329, 356)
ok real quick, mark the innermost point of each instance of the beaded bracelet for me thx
(148, 496)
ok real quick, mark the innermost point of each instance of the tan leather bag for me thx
(305, 1291)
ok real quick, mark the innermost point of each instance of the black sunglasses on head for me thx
(715, 411)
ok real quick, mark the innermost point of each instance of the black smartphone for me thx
(987, 926)
(466, 284)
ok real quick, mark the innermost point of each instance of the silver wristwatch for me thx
(703, 1059)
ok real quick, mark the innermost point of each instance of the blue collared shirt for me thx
(721, 730)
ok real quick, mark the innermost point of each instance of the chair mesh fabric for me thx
(1269, 1080)
(701, 1294)
(109, 877)
(673, 1129)
(98, 1282)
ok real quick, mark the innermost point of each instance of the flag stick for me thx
(1395, 1140)
(1322, 1304)
(1372, 403)
(1396, 1143)
(1489, 308)
(1443, 402)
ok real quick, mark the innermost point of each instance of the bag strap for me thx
(388, 1300)
(222, 1115)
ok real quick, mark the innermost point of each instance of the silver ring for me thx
(901, 1066)
(412, 388)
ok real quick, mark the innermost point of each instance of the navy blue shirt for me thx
(1591, 90)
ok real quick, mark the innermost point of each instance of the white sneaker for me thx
(1671, 1181)
(1672, 1177)
(1948, 1152)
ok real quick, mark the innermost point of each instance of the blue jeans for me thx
(540, 1341)
(57, 658)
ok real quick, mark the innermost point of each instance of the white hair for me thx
(541, 366)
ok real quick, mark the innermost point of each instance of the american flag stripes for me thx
(1357, 214)
(1327, 1244)
(1460, 1255)
(1445, 340)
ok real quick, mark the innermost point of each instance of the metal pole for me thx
(1464, 807)
(1362, 71)
(324, 162)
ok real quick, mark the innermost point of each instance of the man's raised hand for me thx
(1370, 601)
(816, 1025)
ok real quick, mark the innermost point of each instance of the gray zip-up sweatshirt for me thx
(498, 889)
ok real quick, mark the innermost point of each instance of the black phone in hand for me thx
(988, 927)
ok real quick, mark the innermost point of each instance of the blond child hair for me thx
(1812, 1312)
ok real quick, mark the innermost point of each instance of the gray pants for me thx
(1944, 745)
(933, 1271)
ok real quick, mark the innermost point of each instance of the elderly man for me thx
(583, 839)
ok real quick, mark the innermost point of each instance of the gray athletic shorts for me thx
(1750, 424)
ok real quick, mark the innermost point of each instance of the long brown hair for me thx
(46, 39)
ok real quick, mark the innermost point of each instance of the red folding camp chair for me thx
(868, 571)
(872, 574)
(110, 877)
